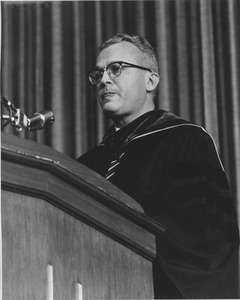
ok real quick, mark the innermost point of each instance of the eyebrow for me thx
(109, 63)
(98, 68)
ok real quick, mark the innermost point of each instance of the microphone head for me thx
(40, 120)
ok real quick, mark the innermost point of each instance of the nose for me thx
(105, 78)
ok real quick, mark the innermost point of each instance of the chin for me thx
(110, 109)
(110, 113)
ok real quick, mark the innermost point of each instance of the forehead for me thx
(123, 51)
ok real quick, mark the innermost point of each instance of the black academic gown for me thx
(172, 169)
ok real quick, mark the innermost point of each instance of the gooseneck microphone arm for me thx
(20, 121)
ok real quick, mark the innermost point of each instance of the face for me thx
(123, 98)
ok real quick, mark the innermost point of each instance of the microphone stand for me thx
(15, 117)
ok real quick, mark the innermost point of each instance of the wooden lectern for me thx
(67, 233)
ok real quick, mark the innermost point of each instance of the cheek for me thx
(98, 94)
(137, 89)
(98, 90)
(133, 85)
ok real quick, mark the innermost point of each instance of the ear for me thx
(152, 80)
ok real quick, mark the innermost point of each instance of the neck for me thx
(123, 121)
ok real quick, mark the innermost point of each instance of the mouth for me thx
(107, 95)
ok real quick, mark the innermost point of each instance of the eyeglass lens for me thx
(113, 70)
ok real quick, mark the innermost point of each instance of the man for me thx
(170, 167)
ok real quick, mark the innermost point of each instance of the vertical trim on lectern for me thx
(78, 294)
(49, 288)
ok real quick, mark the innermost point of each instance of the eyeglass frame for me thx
(128, 65)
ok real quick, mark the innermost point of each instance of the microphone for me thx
(40, 120)
(20, 121)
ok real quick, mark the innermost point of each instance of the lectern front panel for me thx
(49, 254)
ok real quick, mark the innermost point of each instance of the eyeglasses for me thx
(113, 70)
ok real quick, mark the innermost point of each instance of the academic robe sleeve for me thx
(199, 251)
